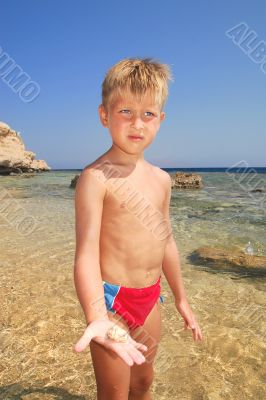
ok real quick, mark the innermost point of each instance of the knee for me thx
(141, 384)
(112, 392)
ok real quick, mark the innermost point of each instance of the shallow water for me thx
(41, 317)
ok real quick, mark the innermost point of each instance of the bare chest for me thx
(135, 193)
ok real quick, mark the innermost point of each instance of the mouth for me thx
(137, 138)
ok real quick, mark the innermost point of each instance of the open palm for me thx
(96, 330)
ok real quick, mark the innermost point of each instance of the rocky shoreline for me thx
(14, 158)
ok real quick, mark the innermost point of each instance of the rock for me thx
(16, 171)
(7, 171)
(184, 180)
(173, 182)
(74, 182)
(13, 156)
(233, 257)
(257, 191)
(4, 127)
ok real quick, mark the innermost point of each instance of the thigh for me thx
(111, 372)
(148, 334)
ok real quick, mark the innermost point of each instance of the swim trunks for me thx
(133, 304)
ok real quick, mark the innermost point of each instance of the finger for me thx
(141, 346)
(192, 323)
(200, 334)
(138, 345)
(197, 333)
(136, 355)
(83, 342)
(124, 355)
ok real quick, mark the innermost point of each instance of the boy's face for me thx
(129, 117)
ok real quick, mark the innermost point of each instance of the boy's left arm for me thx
(172, 271)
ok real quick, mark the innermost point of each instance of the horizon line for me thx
(238, 168)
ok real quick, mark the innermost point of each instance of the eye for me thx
(149, 114)
(125, 111)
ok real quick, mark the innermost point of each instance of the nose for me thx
(137, 122)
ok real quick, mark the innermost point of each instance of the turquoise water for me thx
(225, 212)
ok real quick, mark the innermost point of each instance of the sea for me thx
(42, 319)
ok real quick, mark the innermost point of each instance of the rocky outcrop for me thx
(235, 258)
(184, 180)
(14, 159)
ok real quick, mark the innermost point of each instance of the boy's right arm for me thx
(89, 196)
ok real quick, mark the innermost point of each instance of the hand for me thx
(189, 319)
(128, 351)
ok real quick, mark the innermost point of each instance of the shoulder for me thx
(164, 177)
(93, 177)
(98, 168)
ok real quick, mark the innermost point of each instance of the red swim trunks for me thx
(133, 304)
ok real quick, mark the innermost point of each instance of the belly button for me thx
(123, 204)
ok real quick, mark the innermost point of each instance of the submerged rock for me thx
(184, 180)
(233, 257)
(14, 159)
(74, 182)
(258, 190)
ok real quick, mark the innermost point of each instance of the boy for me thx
(124, 239)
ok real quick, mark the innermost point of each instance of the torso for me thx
(133, 229)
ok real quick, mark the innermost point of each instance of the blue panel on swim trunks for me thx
(110, 292)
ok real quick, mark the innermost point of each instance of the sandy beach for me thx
(41, 318)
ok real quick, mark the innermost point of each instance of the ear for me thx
(103, 115)
(162, 116)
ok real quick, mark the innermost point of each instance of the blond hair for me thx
(138, 76)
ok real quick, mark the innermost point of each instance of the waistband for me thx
(129, 287)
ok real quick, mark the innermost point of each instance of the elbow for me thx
(80, 267)
(86, 263)
(86, 256)
(170, 238)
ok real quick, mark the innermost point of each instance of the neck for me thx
(122, 157)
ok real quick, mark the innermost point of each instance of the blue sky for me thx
(215, 115)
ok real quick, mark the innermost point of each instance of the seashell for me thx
(117, 334)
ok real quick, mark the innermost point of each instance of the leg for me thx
(111, 373)
(141, 376)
